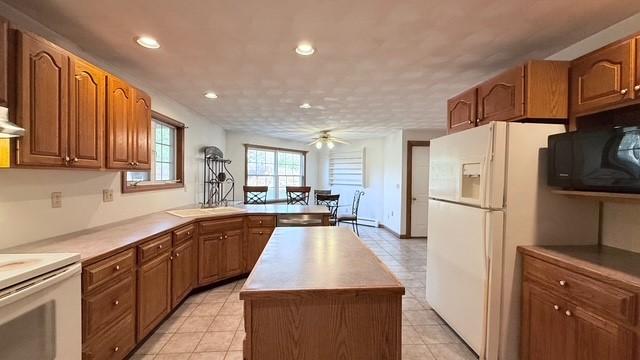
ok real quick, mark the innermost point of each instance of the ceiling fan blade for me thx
(313, 142)
(340, 141)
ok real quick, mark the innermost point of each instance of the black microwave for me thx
(604, 160)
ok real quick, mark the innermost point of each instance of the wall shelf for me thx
(601, 196)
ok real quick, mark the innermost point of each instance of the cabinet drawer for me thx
(97, 274)
(115, 343)
(216, 226)
(154, 247)
(101, 309)
(183, 234)
(613, 301)
(261, 221)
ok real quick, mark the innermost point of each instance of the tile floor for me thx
(209, 325)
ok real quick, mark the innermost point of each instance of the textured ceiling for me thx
(379, 65)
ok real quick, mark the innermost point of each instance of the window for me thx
(276, 168)
(167, 137)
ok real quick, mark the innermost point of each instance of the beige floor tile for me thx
(436, 334)
(142, 357)
(216, 341)
(411, 303)
(207, 309)
(422, 317)
(225, 323)
(452, 352)
(236, 343)
(218, 355)
(182, 343)
(196, 297)
(234, 355)
(171, 325)
(410, 336)
(154, 344)
(185, 309)
(232, 308)
(183, 356)
(196, 324)
(218, 297)
(416, 352)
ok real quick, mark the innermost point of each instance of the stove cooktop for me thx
(16, 268)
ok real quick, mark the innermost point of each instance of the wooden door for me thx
(461, 111)
(183, 270)
(141, 131)
(502, 98)
(232, 259)
(547, 333)
(600, 339)
(42, 108)
(119, 103)
(257, 240)
(209, 266)
(602, 79)
(154, 293)
(87, 114)
(4, 61)
(636, 86)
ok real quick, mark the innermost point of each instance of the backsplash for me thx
(621, 226)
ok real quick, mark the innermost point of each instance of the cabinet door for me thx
(600, 339)
(257, 240)
(461, 111)
(87, 115)
(4, 60)
(502, 98)
(232, 259)
(119, 99)
(184, 271)
(154, 293)
(636, 86)
(42, 108)
(141, 137)
(547, 333)
(209, 266)
(602, 79)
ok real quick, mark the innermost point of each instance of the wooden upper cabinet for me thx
(119, 119)
(141, 136)
(4, 61)
(42, 102)
(87, 115)
(602, 79)
(502, 98)
(636, 86)
(461, 111)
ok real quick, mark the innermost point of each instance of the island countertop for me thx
(99, 242)
(318, 259)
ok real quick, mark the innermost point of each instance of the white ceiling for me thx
(380, 64)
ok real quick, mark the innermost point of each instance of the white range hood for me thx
(7, 128)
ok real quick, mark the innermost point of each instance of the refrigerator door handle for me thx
(486, 171)
(486, 244)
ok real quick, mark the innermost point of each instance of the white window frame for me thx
(274, 195)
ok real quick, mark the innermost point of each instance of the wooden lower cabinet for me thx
(209, 267)
(232, 260)
(183, 269)
(221, 251)
(154, 293)
(116, 343)
(257, 239)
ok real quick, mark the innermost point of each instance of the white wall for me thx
(393, 178)
(620, 225)
(25, 204)
(235, 151)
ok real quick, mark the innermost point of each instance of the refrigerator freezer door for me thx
(461, 240)
(468, 167)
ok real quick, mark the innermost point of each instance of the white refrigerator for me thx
(488, 195)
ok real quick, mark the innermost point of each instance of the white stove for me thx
(40, 306)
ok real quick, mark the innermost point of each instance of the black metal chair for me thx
(255, 194)
(331, 201)
(318, 192)
(298, 195)
(353, 217)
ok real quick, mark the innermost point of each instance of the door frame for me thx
(410, 145)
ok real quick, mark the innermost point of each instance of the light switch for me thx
(107, 195)
(56, 200)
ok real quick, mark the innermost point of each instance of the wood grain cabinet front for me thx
(221, 249)
(4, 61)
(114, 344)
(141, 131)
(461, 111)
(119, 119)
(183, 269)
(257, 240)
(154, 293)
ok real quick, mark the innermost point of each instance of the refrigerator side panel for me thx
(534, 216)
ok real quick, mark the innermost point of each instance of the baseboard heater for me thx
(367, 222)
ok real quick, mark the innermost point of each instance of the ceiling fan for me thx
(326, 139)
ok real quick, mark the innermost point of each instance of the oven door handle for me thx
(20, 291)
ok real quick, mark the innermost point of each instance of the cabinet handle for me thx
(135, 163)
(177, 254)
(568, 313)
(171, 258)
(470, 121)
(556, 307)
(159, 246)
(563, 283)
(116, 349)
(188, 233)
(116, 302)
(636, 88)
(117, 268)
(220, 237)
(260, 222)
(623, 91)
(226, 237)
(260, 233)
(75, 159)
(66, 160)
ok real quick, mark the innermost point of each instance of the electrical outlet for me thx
(56, 200)
(107, 195)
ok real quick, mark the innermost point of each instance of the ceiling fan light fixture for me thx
(147, 42)
(210, 95)
(330, 144)
(305, 49)
(319, 145)
(305, 106)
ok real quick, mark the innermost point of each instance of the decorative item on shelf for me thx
(218, 182)
(325, 138)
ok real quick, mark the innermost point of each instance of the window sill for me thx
(126, 188)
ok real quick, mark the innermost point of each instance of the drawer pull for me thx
(116, 268)
(188, 233)
(260, 222)
(568, 313)
(260, 233)
(556, 307)
(636, 88)
(623, 91)
(177, 254)
(159, 246)
(226, 237)
(116, 349)
(116, 302)
(563, 283)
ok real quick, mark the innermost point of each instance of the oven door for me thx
(41, 318)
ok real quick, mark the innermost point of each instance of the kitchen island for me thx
(320, 293)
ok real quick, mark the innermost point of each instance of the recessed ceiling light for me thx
(210, 95)
(305, 49)
(305, 106)
(148, 42)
